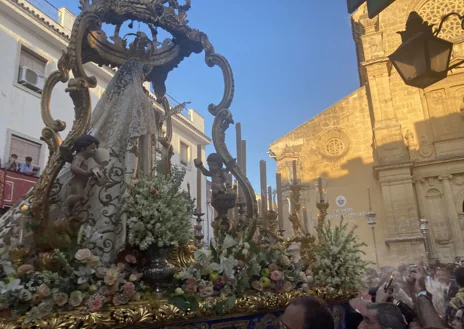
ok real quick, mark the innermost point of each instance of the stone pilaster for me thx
(452, 213)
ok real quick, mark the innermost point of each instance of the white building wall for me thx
(20, 107)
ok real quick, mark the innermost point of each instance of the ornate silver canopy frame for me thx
(89, 43)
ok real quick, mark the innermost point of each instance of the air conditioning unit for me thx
(31, 79)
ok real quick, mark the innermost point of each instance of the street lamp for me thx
(371, 221)
(423, 59)
(322, 202)
(424, 227)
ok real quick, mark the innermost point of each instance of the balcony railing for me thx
(46, 7)
(13, 186)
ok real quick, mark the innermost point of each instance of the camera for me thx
(407, 311)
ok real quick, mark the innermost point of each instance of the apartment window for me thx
(31, 71)
(32, 61)
(23, 148)
(184, 153)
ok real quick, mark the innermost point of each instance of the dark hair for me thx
(85, 141)
(317, 314)
(459, 274)
(14, 156)
(214, 157)
(388, 315)
(28, 159)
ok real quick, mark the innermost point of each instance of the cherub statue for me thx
(220, 182)
(86, 148)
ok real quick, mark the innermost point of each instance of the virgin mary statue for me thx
(125, 124)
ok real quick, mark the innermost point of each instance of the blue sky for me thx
(291, 60)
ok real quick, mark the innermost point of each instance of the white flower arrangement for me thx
(159, 211)
(338, 258)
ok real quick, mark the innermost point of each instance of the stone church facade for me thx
(406, 144)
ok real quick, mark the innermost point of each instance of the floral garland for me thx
(82, 282)
(159, 211)
(235, 267)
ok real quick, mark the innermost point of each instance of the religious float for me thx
(104, 240)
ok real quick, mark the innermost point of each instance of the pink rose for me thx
(129, 290)
(101, 272)
(95, 304)
(43, 290)
(276, 276)
(104, 291)
(25, 269)
(61, 298)
(83, 255)
(130, 259)
(273, 267)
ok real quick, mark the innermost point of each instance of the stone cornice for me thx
(393, 166)
(403, 239)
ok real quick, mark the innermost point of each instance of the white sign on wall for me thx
(341, 201)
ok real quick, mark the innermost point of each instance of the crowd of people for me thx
(26, 167)
(394, 298)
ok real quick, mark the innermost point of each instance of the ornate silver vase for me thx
(158, 273)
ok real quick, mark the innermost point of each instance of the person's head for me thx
(13, 158)
(443, 276)
(214, 161)
(403, 269)
(457, 259)
(397, 276)
(28, 161)
(87, 144)
(382, 316)
(307, 313)
(459, 273)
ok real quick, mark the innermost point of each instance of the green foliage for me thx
(159, 211)
(338, 257)
(184, 302)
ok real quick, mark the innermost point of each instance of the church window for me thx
(23, 148)
(433, 11)
(184, 153)
(334, 146)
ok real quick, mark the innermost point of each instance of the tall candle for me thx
(199, 179)
(243, 157)
(369, 196)
(262, 168)
(21, 228)
(269, 196)
(295, 179)
(238, 136)
(321, 192)
(306, 220)
(280, 208)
